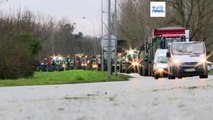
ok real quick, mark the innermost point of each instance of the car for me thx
(160, 64)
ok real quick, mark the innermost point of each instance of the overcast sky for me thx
(74, 10)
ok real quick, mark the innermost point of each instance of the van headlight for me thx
(176, 61)
(202, 61)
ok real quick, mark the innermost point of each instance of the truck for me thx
(186, 59)
(159, 39)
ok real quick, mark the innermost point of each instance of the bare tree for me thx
(135, 22)
(195, 15)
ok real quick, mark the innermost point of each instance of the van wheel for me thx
(145, 69)
(140, 71)
(179, 77)
(156, 76)
(203, 76)
(171, 77)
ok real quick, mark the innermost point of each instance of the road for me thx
(140, 98)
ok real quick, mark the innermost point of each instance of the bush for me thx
(17, 54)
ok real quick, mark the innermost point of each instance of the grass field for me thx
(210, 73)
(65, 77)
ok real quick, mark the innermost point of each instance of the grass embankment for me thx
(210, 73)
(65, 77)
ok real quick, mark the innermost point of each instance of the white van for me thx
(160, 64)
(187, 59)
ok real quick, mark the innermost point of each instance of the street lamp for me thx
(77, 29)
(93, 31)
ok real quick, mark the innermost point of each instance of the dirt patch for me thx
(188, 88)
(74, 98)
(60, 109)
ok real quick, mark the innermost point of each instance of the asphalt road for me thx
(141, 98)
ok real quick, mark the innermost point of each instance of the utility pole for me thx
(102, 34)
(109, 40)
(116, 32)
(144, 20)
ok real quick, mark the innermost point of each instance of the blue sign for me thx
(157, 9)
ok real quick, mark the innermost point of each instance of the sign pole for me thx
(109, 40)
(115, 23)
(102, 33)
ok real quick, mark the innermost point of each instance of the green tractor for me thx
(130, 61)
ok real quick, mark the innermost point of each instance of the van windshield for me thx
(162, 59)
(195, 48)
(172, 40)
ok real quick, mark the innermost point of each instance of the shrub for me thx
(17, 54)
